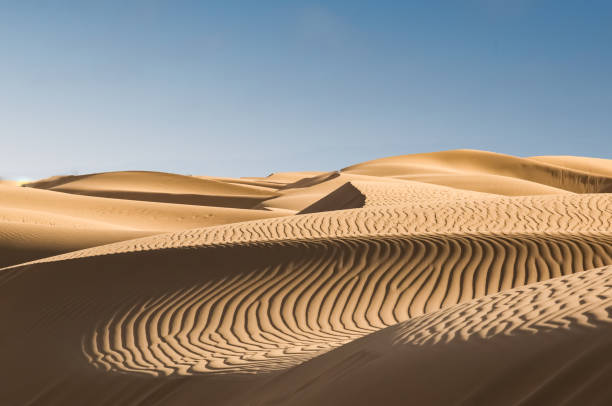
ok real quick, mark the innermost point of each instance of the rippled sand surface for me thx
(456, 277)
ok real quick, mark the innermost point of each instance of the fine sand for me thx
(457, 277)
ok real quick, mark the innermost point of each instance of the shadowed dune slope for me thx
(595, 166)
(447, 165)
(263, 184)
(21, 242)
(320, 295)
(549, 343)
(240, 310)
(346, 196)
(299, 195)
(159, 187)
(289, 177)
(304, 191)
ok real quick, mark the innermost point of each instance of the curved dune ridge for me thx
(549, 174)
(28, 205)
(552, 214)
(457, 277)
(548, 343)
(359, 193)
(271, 317)
(40, 223)
(596, 166)
(159, 187)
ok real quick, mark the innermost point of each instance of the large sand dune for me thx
(160, 187)
(549, 343)
(39, 223)
(469, 165)
(372, 285)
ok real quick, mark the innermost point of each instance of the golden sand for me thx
(456, 277)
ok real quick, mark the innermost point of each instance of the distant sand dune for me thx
(596, 166)
(40, 223)
(359, 193)
(159, 187)
(471, 162)
(487, 183)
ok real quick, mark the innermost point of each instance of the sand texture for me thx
(458, 277)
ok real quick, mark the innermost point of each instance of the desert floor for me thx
(450, 278)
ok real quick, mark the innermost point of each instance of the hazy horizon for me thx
(250, 89)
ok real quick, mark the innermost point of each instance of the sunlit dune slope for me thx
(364, 193)
(549, 343)
(123, 213)
(487, 183)
(445, 166)
(302, 195)
(263, 184)
(39, 223)
(571, 213)
(159, 187)
(286, 178)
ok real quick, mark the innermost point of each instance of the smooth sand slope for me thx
(39, 223)
(159, 187)
(369, 289)
(490, 172)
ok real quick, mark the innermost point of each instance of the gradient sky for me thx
(203, 87)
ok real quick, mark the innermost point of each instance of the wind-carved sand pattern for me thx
(268, 319)
(556, 333)
(580, 300)
(530, 214)
(488, 276)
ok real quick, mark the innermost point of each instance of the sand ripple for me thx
(273, 317)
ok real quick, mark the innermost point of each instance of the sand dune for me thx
(596, 166)
(575, 214)
(364, 286)
(471, 162)
(39, 223)
(25, 242)
(271, 316)
(159, 187)
(286, 178)
(359, 193)
(487, 183)
(548, 343)
(123, 213)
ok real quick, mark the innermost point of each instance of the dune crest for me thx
(447, 164)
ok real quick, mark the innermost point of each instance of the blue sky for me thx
(248, 88)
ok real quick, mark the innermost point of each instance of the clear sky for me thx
(247, 88)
